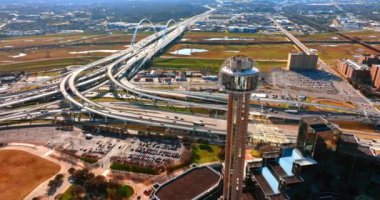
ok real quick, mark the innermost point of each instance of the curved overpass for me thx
(110, 69)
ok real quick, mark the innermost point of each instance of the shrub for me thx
(206, 147)
(133, 168)
(125, 191)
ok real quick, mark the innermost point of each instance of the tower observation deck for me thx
(239, 77)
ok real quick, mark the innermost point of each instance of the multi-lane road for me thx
(113, 69)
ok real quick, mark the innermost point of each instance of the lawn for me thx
(354, 126)
(205, 153)
(21, 172)
(331, 53)
(333, 102)
(57, 53)
(133, 168)
(67, 194)
(51, 39)
(256, 153)
(257, 36)
(119, 37)
(36, 66)
(366, 35)
(187, 63)
(211, 65)
(271, 52)
(83, 38)
(321, 36)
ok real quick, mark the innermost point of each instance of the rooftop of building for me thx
(350, 138)
(370, 147)
(306, 161)
(283, 175)
(277, 197)
(366, 150)
(292, 180)
(370, 55)
(248, 196)
(303, 53)
(267, 178)
(278, 170)
(319, 124)
(189, 185)
(288, 158)
(355, 65)
(263, 184)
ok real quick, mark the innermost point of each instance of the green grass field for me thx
(211, 65)
(320, 36)
(334, 52)
(258, 52)
(256, 36)
(366, 35)
(67, 194)
(36, 66)
(205, 153)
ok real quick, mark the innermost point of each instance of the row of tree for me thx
(88, 186)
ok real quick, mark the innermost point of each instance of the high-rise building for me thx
(355, 159)
(314, 134)
(302, 61)
(239, 78)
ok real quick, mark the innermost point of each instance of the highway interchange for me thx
(113, 70)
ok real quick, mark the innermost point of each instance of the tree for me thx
(71, 170)
(80, 176)
(59, 177)
(96, 185)
(222, 154)
(51, 184)
(78, 192)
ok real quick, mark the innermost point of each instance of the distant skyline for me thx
(85, 1)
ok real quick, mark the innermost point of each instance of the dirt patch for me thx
(21, 172)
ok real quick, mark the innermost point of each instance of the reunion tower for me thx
(239, 77)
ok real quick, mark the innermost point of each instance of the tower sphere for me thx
(239, 74)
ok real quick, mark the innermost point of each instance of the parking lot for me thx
(89, 150)
(103, 146)
(155, 153)
(308, 80)
(38, 135)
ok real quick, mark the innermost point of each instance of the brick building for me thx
(354, 71)
(375, 76)
(302, 62)
(369, 59)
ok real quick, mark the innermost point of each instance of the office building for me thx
(302, 62)
(348, 165)
(314, 132)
